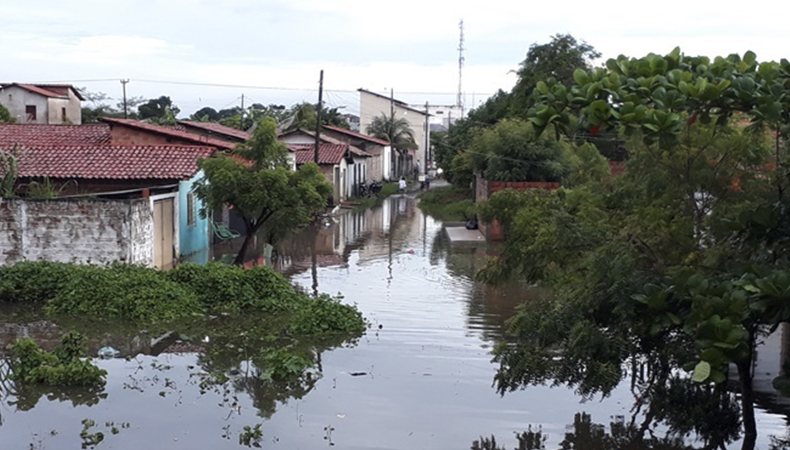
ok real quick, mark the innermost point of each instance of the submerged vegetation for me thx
(448, 203)
(146, 295)
(64, 366)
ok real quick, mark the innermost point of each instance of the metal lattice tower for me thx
(460, 100)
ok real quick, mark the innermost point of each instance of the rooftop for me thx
(47, 90)
(36, 135)
(216, 128)
(354, 134)
(171, 131)
(111, 162)
(327, 153)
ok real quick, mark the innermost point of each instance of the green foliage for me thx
(395, 130)
(121, 291)
(448, 203)
(304, 116)
(264, 192)
(556, 60)
(9, 173)
(251, 436)
(220, 287)
(324, 315)
(158, 108)
(5, 116)
(65, 366)
(287, 365)
(90, 440)
(34, 282)
(510, 151)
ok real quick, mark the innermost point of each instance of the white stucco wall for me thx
(83, 231)
(73, 110)
(371, 106)
(15, 99)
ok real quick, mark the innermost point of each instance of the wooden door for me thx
(163, 233)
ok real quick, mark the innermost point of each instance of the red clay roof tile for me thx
(111, 162)
(34, 134)
(327, 153)
(170, 131)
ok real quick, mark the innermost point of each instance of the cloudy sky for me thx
(209, 53)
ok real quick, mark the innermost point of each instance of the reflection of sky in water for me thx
(428, 369)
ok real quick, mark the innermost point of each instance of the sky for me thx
(209, 53)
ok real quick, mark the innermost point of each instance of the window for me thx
(190, 209)
(63, 115)
(30, 111)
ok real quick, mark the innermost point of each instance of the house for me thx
(51, 104)
(372, 104)
(135, 198)
(380, 164)
(345, 166)
(131, 132)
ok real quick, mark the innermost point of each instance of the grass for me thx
(448, 204)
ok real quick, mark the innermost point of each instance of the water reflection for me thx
(420, 378)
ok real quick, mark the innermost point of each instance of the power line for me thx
(245, 86)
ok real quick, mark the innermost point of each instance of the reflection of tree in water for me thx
(684, 410)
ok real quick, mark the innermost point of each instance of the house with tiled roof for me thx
(74, 161)
(344, 166)
(51, 104)
(380, 164)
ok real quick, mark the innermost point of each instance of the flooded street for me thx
(420, 378)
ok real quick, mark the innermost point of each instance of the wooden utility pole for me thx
(125, 114)
(427, 138)
(318, 116)
(241, 114)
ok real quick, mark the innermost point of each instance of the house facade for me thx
(344, 166)
(49, 104)
(372, 104)
(70, 162)
(380, 163)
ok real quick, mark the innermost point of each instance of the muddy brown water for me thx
(421, 377)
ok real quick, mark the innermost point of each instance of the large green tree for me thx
(257, 181)
(681, 262)
(157, 108)
(395, 130)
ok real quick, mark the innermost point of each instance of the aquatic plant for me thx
(64, 366)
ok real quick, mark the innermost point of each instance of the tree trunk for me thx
(747, 404)
(243, 250)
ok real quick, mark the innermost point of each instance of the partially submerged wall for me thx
(84, 231)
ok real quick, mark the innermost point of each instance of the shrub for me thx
(34, 282)
(217, 286)
(324, 315)
(273, 291)
(63, 367)
(123, 291)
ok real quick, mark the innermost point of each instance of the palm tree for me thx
(396, 131)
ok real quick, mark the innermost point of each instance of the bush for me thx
(221, 287)
(448, 203)
(324, 315)
(123, 291)
(63, 367)
(34, 282)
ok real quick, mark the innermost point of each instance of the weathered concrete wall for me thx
(85, 231)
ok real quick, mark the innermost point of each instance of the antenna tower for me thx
(460, 100)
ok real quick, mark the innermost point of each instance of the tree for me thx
(557, 59)
(304, 115)
(157, 108)
(680, 261)
(205, 114)
(5, 115)
(510, 151)
(396, 131)
(257, 182)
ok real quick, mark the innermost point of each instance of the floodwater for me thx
(420, 378)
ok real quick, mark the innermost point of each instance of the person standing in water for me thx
(402, 185)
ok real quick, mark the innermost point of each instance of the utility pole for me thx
(460, 100)
(241, 119)
(125, 114)
(427, 138)
(318, 116)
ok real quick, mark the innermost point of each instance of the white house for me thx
(372, 104)
(51, 104)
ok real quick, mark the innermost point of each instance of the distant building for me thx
(443, 115)
(372, 105)
(353, 121)
(48, 104)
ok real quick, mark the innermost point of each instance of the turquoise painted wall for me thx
(194, 237)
